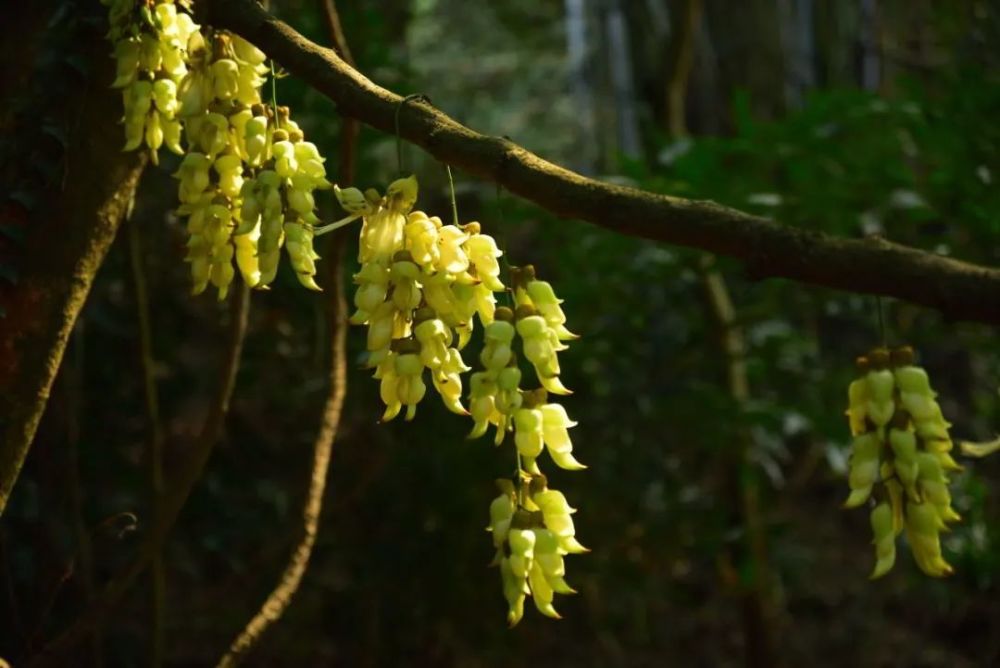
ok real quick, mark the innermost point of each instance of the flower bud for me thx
(501, 511)
(884, 540)
(172, 135)
(285, 163)
(150, 57)
(923, 527)
(904, 447)
(509, 379)
(857, 405)
(299, 244)
(127, 56)
(528, 432)
(165, 96)
(230, 171)
(225, 78)
(213, 134)
(310, 161)
(522, 546)
(402, 194)
(452, 258)
(880, 407)
(247, 52)
(864, 468)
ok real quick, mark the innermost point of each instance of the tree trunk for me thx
(837, 24)
(747, 41)
(799, 40)
(71, 187)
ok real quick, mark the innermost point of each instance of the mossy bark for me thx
(61, 226)
(961, 291)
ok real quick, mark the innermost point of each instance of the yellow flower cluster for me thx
(496, 397)
(533, 530)
(530, 554)
(421, 287)
(247, 178)
(901, 448)
(246, 188)
(151, 42)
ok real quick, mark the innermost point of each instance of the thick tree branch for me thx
(961, 291)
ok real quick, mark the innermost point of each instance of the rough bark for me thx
(961, 291)
(65, 228)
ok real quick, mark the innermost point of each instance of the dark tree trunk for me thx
(70, 186)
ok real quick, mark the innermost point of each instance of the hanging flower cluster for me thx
(151, 42)
(408, 263)
(900, 454)
(246, 189)
(532, 529)
(421, 288)
(247, 178)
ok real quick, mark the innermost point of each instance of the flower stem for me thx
(317, 231)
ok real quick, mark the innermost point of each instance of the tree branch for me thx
(961, 291)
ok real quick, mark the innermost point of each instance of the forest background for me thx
(712, 505)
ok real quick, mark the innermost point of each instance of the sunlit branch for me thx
(959, 290)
